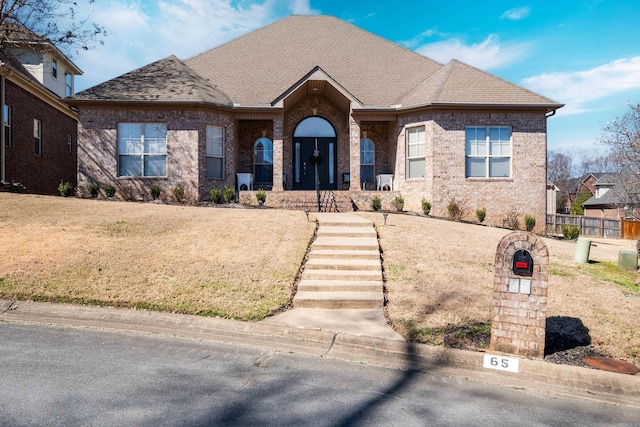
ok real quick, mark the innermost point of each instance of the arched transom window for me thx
(367, 161)
(263, 161)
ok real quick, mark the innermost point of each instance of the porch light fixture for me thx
(385, 215)
(306, 211)
(314, 111)
(264, 133)
(364, 133)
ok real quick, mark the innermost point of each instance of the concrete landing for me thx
(360, 322)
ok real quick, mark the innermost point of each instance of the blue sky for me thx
(582, 53)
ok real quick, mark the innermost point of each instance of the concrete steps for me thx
(344, 269)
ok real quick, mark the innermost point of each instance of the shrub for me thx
(570, 232)
(216, 195)
(65, 189)
(426, 206)
(512, 221)
(376, 203)
(398, 203)
(109, 190)
(261, 196)
(481, 214)
(155, 192)
(178, 193)
(529, 222)
(129, 193)
(94, 190)
(229, 194)
(456, 209)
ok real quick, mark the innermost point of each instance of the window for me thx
(263, 161)
(68, 81)
(70, 144)
(415, 153)
(488, 152)
(6, 118)
(367, 160)
(215, 152)
(37, 137)
(142, 149)
(54, 69)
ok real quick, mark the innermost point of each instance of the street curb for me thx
(535, 375)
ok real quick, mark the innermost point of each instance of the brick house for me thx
(265, 109)
(38, 148)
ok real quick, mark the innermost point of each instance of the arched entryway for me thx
(314, 145)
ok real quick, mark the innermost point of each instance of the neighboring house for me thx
(38, 148)
(610, 200)
(315, 90)
(575, 186)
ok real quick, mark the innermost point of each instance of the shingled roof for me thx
(167, 80)
(259, 68)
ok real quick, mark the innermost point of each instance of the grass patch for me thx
(610, 272)
(232, 263)
(560, 272)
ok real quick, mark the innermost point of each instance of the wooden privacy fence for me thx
(589, 225)
(631, 229)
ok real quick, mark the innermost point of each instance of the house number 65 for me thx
(501, 363)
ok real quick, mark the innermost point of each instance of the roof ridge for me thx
(444, 69)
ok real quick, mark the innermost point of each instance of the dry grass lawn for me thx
(237, 263)
(440, 274)
(242, 263)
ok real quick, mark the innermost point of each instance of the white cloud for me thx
(575, 89)
(138, 34)
(517, 13)
(487, 55)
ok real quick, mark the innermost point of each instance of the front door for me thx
(310, 153)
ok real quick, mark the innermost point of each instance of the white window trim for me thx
(37, 137)
(6, 128)
(488, 156)
(373, 145)
(54, 69)
(143, 154)
(408, 158)
(255, 164)
(68, 86)
(222, 171)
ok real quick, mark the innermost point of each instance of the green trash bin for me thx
(583, 247)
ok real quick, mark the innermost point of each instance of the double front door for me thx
(314, 159)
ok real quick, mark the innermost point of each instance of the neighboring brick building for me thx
(314, 90)
(38, 148)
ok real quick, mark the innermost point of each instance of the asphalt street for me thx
(57, 376)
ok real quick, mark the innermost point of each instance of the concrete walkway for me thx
(341, 289)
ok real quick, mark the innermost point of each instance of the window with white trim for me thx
(488, 152)
(6, 118)
(367, 161)
(37, 137)
(68, 82)
(215, 152)
(263, 161)
(415, 152)
(142, 149)
(54, 69)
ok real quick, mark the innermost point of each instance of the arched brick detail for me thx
(519, 319)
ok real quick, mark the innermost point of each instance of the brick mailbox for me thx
(520, 295)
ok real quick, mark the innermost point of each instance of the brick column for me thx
(354, 154)
(278, 153)
(520, 299)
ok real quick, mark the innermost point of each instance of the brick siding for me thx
(39, 174)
